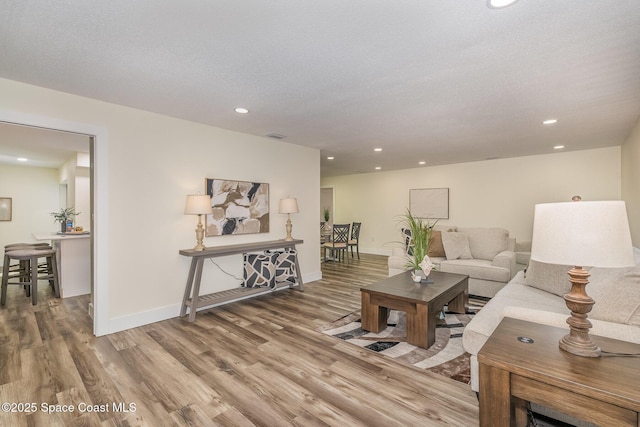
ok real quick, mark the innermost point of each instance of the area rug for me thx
(445, 357)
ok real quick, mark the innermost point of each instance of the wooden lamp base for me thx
(578, 341)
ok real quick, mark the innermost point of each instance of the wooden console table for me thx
(603, 390)
(192, 297)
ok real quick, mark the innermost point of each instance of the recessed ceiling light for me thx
(499, 4)
(241, 110)
(21, 159)
(330, 158)
(550, 122)
(377, 149)
(422, 163)
(378, 168)
(558, 147)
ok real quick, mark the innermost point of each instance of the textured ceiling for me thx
(439, 81)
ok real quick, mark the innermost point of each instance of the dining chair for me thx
(355, 238)
(339, 242)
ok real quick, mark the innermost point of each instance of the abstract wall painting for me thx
(239, 207)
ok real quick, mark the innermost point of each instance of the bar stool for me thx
(23, 266)
(33, 274)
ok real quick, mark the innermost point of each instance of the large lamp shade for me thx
(582, 233)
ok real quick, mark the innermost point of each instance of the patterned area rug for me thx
(445, 357)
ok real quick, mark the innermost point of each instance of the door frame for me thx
(99, 197)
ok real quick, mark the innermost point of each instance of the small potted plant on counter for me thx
(64, 216)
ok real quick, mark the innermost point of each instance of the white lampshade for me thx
(586, 234)
(289, 205)
(197, 204)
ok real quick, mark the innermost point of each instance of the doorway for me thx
(98, 145)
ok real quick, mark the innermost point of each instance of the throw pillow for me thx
(552, 278)
(456, 245)
(259, 271)
(486, 243)
(616, 293)
(436, 249)
(285, 262)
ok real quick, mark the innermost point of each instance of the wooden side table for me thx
(604, 391)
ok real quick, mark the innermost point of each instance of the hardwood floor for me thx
(254, 362)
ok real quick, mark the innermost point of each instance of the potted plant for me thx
(421, 232)
(326, 215)
(63, 216)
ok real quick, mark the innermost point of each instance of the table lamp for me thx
(594, 234)
(289, 206)
(198, 204)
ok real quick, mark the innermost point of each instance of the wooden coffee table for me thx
(421, 301)
(604, 391)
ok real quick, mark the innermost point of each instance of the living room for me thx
(147, 162)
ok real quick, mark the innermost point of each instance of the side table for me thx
(603, 390)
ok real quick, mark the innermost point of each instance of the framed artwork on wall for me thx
(239, 207)
(432, 203)
(5, 208)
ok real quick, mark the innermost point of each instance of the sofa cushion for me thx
(513, 295)
(477, 269)
(616, 293)
(456, 245)
(486, 243)
(553, 278)
(436, 249)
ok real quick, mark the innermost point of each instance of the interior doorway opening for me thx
(98, 149)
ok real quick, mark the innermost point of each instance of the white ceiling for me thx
(439, 81)
(42, 148)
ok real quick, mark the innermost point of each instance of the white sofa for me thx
(536, 295)
(486, 255)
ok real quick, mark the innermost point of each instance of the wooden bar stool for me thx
(31, 276)
(23, 266)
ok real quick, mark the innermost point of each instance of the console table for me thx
(603, 390)
(192, 297)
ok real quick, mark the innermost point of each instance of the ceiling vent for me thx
(275, 136)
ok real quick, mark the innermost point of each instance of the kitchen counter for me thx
(74, 261)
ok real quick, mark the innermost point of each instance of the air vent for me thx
(275, 136)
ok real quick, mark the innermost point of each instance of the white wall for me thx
(152, 162)
(78, 181)
(35, 195)
(631, 181)
(495, 193)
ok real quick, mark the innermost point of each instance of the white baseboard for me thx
(123, 323)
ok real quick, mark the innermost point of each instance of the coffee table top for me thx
(616, 378)
(402, 286)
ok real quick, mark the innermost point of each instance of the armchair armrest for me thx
(506, 259)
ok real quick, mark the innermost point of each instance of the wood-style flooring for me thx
(258, 362)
